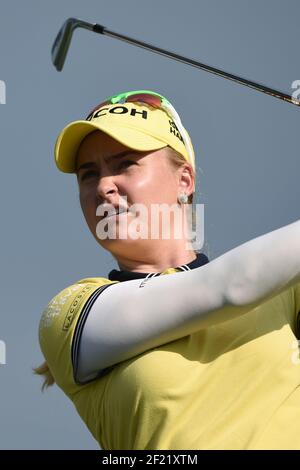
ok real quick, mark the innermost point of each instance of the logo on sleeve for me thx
(55, 306)
(75, 306)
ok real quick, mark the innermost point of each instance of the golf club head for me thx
(62, 42)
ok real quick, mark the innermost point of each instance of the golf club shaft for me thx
(256, 86)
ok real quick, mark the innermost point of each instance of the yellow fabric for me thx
(57, 326)
(137, 126)
(232, 386)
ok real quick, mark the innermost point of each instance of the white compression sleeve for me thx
(127, 319)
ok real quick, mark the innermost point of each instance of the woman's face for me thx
(107, 175)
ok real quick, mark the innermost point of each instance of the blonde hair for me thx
(44, 370)
(176, 159)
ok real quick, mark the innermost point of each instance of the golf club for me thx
(63, 39)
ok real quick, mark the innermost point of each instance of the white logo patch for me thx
(56, 304)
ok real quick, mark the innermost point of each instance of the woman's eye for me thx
(125, 163)
(88, 174)
(92, 173)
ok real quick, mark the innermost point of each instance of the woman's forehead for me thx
(100, 140)
(98, 145)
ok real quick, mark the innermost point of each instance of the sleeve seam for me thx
(78, 333)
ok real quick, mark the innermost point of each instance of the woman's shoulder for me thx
(70, 297)
(79, 285)
(60, 316)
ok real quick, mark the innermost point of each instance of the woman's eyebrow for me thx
(121, 154)
(112, 157)
(86, 165)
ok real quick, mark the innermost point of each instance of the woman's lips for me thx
(116, 214)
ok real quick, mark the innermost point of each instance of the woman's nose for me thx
(106, 186)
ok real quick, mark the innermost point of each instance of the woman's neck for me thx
(156, 260)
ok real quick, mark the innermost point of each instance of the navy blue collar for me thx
(116, 275)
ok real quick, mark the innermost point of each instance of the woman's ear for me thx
(186, 179)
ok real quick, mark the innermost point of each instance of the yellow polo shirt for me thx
(231, 386)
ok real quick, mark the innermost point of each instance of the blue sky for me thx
(246, 143)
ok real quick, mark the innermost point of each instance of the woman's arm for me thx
(126, 319)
